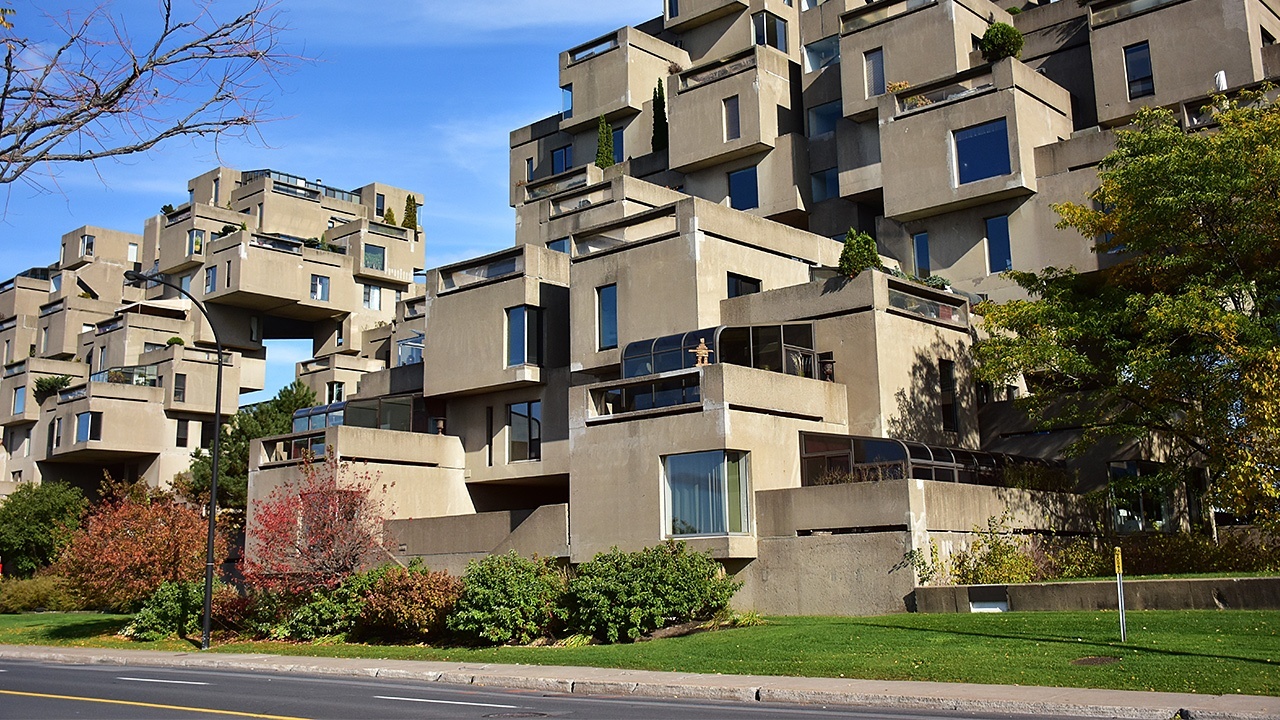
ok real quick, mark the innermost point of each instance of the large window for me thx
(770, 30)
(372, 297)
(566, 101)
(673, 8)
(873, 65)
(825, 184)
(375, 257)
(524, 431)
(732, 121)
(88, 426)
(999, 249)
(982, 151)
(523, 335)
(822, 53)
(1137, 71)
(822, 119)
(335, 392)
(707, 493)
(744, 193)
(180, 387)
(607, 317)
(320, 288)
(920, 241)
(561, 159)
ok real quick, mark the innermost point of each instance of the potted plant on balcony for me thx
(49, 385)
(859, 254)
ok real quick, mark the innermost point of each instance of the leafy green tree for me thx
(659, 117)
(273, 417)
(410, 212)
(604, 144)
(1001, 40)
(859, 253)
(1178, 343)
(36, 521)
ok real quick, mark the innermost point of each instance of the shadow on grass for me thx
(85, 629)
(1079, 642)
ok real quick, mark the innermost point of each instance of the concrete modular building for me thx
(271, 255)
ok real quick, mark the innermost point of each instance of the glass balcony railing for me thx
(931, 309)
(596, 47)
(74, 393)
(462, 277)
(537, 192)
(15, 369)
(142, 375)
(960, 88)
(879, 12)
(670, 391)
(293, 247)
(309, 189)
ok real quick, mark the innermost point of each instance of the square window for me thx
(920, 242)
(334, 392)
(524, 431)
(770, 30)
(379, 206)
(607, 317)
(873, 65)
(86, 245)
(88, 426)
(320, 288)
(706, 493)
(561, 159)
(982, 151)
(744, 194)
(561, 245)
(732, 122)
(1137, 71)
(999, 249)
(823, 53)
(375, 257)
(825, 184)
(742, 285)
(822, 119)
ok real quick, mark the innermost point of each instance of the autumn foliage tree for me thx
(313, 534)
(132, 542)
(1180, 341)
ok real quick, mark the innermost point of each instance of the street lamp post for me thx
(137, 278)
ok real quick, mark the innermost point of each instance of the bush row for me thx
(502, 599)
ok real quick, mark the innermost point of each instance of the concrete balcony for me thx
(756, 80)
(694, 13)
(917, 41)
(108, 422)
(379, 252)
(184, 234)
(921, 124)
(62, 322)
(23, 295)
(447, 543)
(280, 276)
(615, 75)
(19, 380)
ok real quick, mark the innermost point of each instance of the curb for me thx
(1072, 702)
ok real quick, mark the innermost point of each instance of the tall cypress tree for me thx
(410, 213)
(604, 144)
(659, 117)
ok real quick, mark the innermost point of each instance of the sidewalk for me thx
(732, 688)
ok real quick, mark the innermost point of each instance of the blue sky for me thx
(417, 94)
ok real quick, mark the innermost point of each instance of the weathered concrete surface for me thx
(1262, 593)
(961, 697)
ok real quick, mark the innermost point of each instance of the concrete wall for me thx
(1182, 594)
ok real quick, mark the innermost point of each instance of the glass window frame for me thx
(607, 317)
(1135, 56)
(873, 72)
(920, 254)
(732, 517)
(320, 288)
(1000, 247)
(740, 176)
(730, 110)
(523, 335)
(371, 297)
(825, 58)
(562, 159)
(972, 147)
(531, 419)
(769, 29)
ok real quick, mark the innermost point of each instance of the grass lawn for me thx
(1215, 652)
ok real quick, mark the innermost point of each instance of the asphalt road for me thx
(51, 691)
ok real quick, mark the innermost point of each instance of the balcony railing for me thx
(7, 285)
(1119, 11)
(463, 277)
(51, 308)
(294, 247)
(683, 388)
(74, 393)
(879, 12)
(110, 325)
(957, 89)
(9, 324)
(142, 375)
(560, 206)
(285, 179)
(595, 47)
(295, 448)
(537, 192)
(931, 309)
(16, 369)
(178, 215)
(723, 69)
(378, 228)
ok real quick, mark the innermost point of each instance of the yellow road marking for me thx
(151, 705)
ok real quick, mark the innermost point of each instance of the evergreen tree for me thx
(410, 213)
(659, 117)
(604, 144)
(859, 254)
(390, 217)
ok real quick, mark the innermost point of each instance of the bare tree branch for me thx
(91, 91)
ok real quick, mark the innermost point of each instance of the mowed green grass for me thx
(1186, 651)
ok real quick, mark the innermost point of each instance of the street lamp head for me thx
(134, 277)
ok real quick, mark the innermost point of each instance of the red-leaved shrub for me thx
(408, 605)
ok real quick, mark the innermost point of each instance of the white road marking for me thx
(444, 702)
(170, 682)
